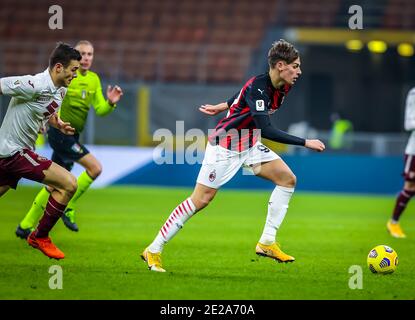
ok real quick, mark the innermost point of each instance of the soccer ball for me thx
(382, 259)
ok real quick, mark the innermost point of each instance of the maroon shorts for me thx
(24, 164)
(409, 168)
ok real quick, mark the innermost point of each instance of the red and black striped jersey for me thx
(237, 131)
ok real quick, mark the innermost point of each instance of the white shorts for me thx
(220, 164)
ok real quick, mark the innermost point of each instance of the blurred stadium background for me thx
(172, 56)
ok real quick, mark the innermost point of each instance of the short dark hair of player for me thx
(282, 50)
(63, 53)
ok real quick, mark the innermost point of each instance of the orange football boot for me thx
(46, 246)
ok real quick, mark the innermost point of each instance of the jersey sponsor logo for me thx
(212, 176)
(260, 105)
(43, 99)
(31, 84)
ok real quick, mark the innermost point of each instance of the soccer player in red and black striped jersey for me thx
(235, 142)
(249, 110)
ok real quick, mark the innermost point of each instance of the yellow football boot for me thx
(273, 251)
(395, 229)
(153, 260)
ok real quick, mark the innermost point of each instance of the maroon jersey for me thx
(237, 131)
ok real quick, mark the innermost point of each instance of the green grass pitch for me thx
(213, 256)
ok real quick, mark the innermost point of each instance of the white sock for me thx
(277, 208)
(173, 224)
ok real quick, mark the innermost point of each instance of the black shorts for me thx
(66, 148)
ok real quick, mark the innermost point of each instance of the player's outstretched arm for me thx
(64, 127)
(213, 110)
(263, 122)
(104, 106)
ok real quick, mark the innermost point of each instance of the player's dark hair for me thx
(282, 50)
(63, 53)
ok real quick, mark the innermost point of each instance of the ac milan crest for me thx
(212, 176)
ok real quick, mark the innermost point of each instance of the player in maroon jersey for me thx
(408, 189)
(34, 103)
(235, 142)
